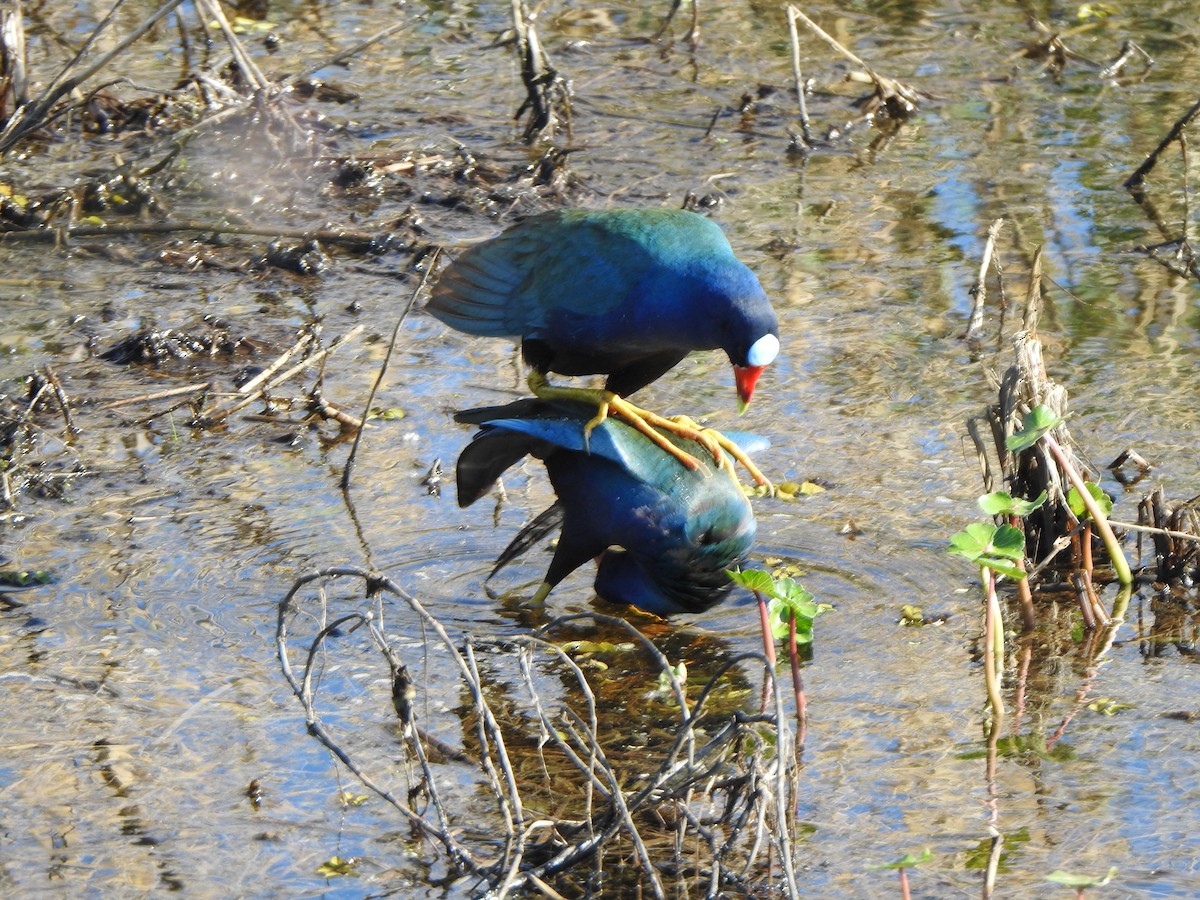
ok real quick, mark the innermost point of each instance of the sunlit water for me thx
(141, 693)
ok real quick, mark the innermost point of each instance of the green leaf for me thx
(908, 860)
(387, 414)
(1075, 501)
(1002, 503)
(1009, 543)
(752, 580)
(1037, 422)
(1106, 706)
(1066, 879)
(990, 545)
(787, 598)
(337, 866)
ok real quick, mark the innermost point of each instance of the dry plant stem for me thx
(383, 367)
(794, 37)
(376, 582)
(249, 69)
(886, 86)
(214, 415)
(1178, 535)
(307, 336)
(303, 690)
(344, 55)
(1134, 181)
(159, 395)
(1025, 599)
(993, 864)
(58, 233)
(14, 86)
(693, 34)
(979, 290)
(1111, 544)
(1085, 605)
(31, 116)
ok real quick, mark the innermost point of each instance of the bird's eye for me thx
(709, 536)
(763, 351)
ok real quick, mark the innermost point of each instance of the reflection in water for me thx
(170, 546)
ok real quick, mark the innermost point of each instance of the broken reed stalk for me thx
(214, 414)
(211, 9)
(1046, 465)
(797, 76)
(14, 77)
(902, 99)
(542, 83)
(979, 289)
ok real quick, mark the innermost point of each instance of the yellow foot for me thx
(652, 425)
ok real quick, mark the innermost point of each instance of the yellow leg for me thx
(649, 423)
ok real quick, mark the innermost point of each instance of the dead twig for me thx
(58, 233)
(797, 76)
(547, 96)
(211, 416)
(1134, 182)
(31, 116)
(898, 99)
(746, 759)
(159, 395)
(430, 267)
(979, 289)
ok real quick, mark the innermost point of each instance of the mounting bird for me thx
(662, 535)
(624, 293)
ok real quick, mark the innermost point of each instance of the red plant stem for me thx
(904, 885)
(797, 682)
(1087, 549)
(765, 617)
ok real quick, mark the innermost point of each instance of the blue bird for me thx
(624, 293)
(662, 535)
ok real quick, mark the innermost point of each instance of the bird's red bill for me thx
(746, 377)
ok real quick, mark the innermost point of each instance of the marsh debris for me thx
(209, 337)
(668, 786)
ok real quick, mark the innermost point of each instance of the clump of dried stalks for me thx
(1062, 549)
(706, 802)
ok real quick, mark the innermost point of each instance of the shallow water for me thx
(142, 696)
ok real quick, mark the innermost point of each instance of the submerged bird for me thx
(624, 293)
(662, 535)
